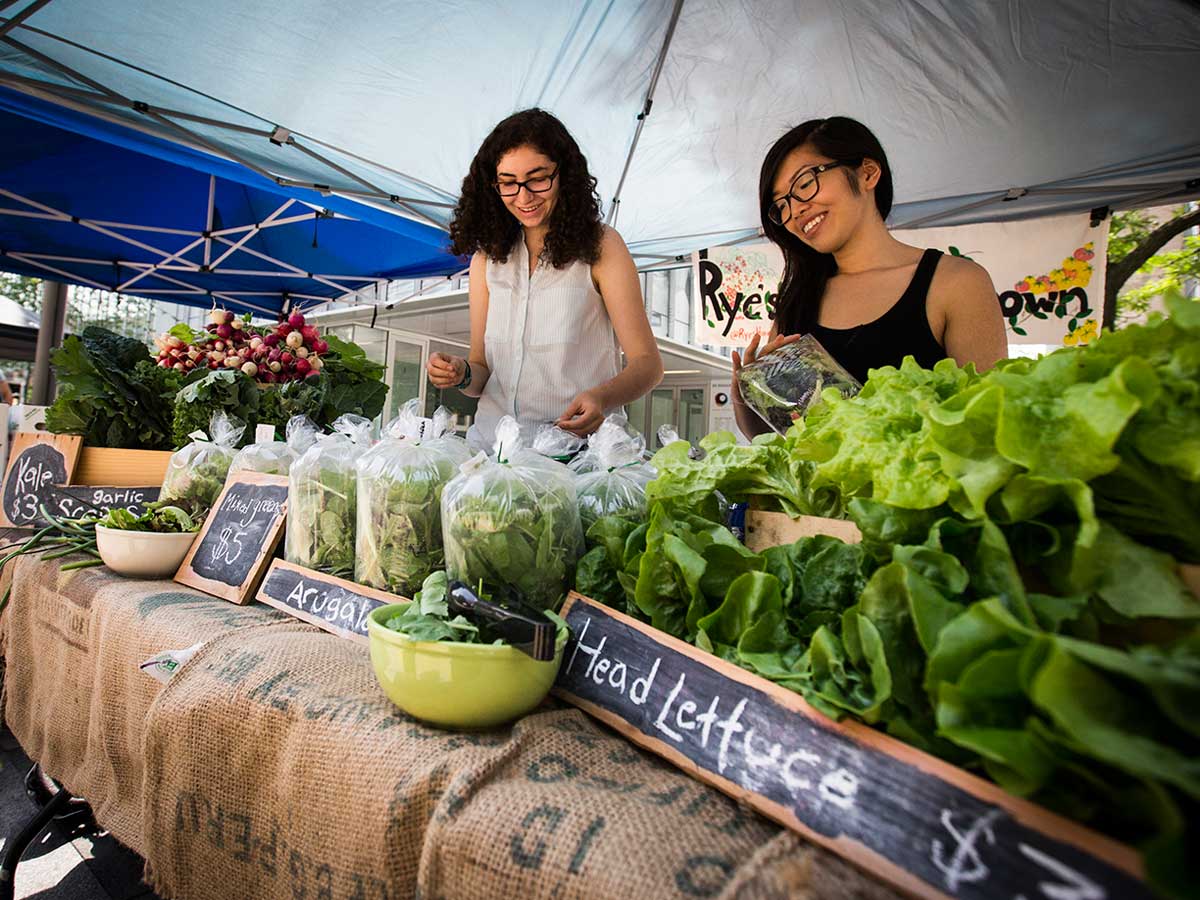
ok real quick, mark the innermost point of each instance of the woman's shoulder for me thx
(613, 250)
(961, 286)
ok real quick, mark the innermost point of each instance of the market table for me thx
(272, 766)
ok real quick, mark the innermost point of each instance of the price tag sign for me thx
(239, 537)
(39, 464)
(338, 606)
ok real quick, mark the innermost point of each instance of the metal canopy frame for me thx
(227, 242)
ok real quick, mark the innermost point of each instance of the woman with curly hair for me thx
(554, 294)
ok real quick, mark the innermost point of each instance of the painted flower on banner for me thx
(1083, 333)
(1075, 271)
(747, 273)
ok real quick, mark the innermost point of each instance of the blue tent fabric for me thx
(100, 171)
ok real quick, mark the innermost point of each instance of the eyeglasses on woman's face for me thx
(537, 185)
(804, 187)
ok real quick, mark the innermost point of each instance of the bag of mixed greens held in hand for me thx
(513, 522)
(400, 482)
(322, 494)
(614, 475)
(785, 383)
(196, 473)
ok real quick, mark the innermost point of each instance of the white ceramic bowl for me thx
(142, 554)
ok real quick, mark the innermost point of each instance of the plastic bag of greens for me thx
(557, 444)
(616, 485)
(512, 522)
(322, 494)
(400, 482)
(781, 386)
(196, 472)
(267, 457)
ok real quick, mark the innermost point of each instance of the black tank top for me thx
(901, 331)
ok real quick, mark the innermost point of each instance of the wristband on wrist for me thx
(466, 376)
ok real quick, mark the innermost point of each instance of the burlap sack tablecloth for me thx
(272, 766)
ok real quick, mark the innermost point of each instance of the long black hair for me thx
(482, 222)
(806, 271)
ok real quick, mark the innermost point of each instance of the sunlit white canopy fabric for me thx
(1058, 106)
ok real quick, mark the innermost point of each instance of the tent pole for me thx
(22, 16)
(645, 113)
(50, 334)
(212, 190)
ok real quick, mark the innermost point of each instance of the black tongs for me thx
(517, 623)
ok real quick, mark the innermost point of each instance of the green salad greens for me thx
(427, 617)
(158, 517)
(322, 494)
(612, 474)
(400, 482)
(112, 392)
(208, 392)
(1014, 606)
(196, 474)
(512, 523)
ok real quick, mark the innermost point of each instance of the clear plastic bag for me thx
(781, 386)
(400, 483)
(512, 522)
(267, 457)
(614, 477)
(557, 444)
(322, 498)
(196, 472)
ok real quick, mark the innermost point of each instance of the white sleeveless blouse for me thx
(548, 337)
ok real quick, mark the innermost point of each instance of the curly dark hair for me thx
(481, 220)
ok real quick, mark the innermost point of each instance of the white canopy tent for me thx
(989, 110)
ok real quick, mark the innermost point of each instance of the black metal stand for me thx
(54, 802)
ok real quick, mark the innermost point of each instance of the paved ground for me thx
(60, 866)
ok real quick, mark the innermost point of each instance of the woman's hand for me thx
(446, 371)
(583, 415)
(752, 354)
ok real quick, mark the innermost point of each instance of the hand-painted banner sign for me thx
(924, 825)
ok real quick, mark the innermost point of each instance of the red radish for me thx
(267, 377)
(228, 318)
(274, 354)
(283, 330)
(320, 346)
(296, 320)
(302, 367)
(165, 363)
(271, 340)
(224, 331)
(286, 357)
(311, 335)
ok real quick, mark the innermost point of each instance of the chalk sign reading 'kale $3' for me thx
(239, 536)
(38, 464)
(926, 826)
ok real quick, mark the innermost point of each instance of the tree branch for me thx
(1120, 271)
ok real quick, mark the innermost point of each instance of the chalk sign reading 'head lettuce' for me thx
(239, 536)
(334, 604)
(38, 464)
(922, 824)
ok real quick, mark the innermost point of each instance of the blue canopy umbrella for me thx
(90, 202)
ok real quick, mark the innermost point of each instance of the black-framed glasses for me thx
(803, 188)
(538, 185)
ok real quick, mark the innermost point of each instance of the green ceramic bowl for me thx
(457, 685)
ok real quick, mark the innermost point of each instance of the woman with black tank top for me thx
(824, 193)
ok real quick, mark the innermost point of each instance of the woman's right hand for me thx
(446, 371)
(752, 353)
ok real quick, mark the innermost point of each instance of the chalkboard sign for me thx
(238, 538)
(37, 463)
(924, 825)
(74, 501)
(335, 604)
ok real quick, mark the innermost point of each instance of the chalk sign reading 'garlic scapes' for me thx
(926, 826)
(238, 538)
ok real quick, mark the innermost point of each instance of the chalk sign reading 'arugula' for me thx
(239, 536)
(926, 826)
(334, 604)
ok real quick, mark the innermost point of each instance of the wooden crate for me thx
(121, 468)
(772, 529)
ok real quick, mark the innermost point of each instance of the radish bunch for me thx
(291, 351)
